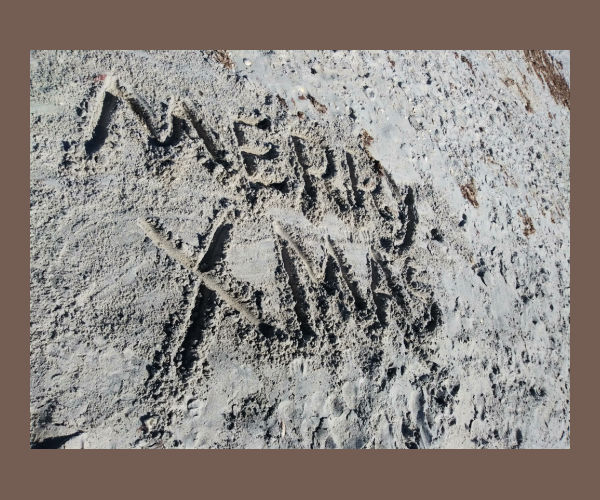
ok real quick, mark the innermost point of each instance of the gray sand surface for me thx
(299, 249)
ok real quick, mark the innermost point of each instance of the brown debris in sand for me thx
(222, 56)
(366, 138)
(542, 64)
(470, 193)
(528, 228)
(321, 108)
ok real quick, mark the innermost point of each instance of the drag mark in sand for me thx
(178, 256)
(288, 239)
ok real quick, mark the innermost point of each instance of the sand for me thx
(299, 249)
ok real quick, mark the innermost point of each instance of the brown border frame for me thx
(365, 25)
